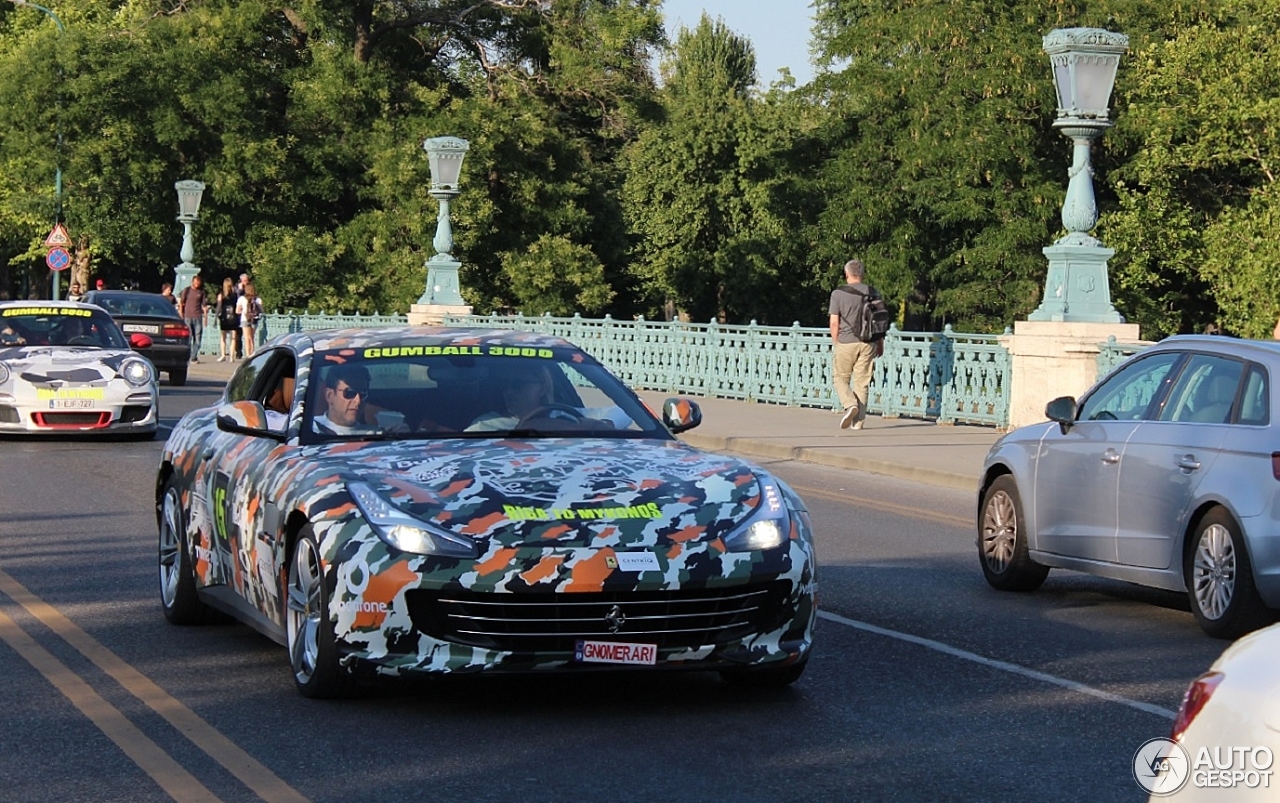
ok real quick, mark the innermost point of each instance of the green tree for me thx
(945, 174)
(702, 188)
(1198, 196)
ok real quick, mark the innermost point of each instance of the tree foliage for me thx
(925, 146)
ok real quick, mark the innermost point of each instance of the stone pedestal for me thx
(1055, 358)
(434, 314)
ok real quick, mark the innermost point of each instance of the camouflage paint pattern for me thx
(545, 514)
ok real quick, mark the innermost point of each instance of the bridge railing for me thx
(946, 376)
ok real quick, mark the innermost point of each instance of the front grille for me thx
(76, 420)
(531, 622)
(9, 415)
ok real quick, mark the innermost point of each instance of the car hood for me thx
(55, 366)
(559, 492)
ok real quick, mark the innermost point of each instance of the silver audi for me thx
(1166, 474)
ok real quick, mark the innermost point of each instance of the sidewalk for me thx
(922, 451)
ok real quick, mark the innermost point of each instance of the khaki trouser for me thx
(853, 360)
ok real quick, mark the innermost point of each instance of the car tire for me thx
(178, 377)
(769, 677)
(313, 654)
(1002, 540)
(178, 597)
(1219, 578)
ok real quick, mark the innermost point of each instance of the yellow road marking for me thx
(260, 780)
(154, 761)
(887, 507)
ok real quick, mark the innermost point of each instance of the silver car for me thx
(1166, 474)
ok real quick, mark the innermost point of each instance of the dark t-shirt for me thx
(848, 306)
(191, 303)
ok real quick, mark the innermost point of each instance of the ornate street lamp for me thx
(189, 193)
(444, 155)
(1084, 70)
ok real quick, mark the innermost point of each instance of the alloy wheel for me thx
(170, 544)
(304, 610)
(999, 531)
(1213, 573)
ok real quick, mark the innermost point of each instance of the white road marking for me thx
(1003, 666)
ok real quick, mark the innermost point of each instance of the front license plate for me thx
(71, 404)
(616, 652)
(139, 327)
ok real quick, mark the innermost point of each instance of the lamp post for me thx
(445, 155)
(1084, 70)
(57, 166)
(189, 193)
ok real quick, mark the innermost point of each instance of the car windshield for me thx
(469, 392)
(59, 326)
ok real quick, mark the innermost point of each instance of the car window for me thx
(59, 326)
(1255, 400)
(1204, 391)
(469, 391)
(241, 385)
(1129, 393)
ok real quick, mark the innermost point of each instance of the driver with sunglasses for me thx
(346, 387)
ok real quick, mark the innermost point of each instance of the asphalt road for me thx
(924, 685)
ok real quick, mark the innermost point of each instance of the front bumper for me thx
(740, 610)
(137, 412)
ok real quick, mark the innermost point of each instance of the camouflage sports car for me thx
(67, 369)
(414, 500)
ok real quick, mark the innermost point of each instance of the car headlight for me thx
(136, 372)
(769, 530)
(4, 374)
(404, 532)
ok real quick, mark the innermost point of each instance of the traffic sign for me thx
(58, 259)
(58, 238)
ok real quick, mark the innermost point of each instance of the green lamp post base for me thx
(1076, 287)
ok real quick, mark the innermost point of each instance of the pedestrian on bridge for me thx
(853, 349)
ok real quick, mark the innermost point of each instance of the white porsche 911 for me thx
(67, 368)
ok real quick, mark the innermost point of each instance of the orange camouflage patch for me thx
(500, 560)
(589, 575)
(544, 570)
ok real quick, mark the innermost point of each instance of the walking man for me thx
(192, 306)
(853, 349)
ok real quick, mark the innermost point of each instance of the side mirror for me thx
(246, 418)
(1062, 410)
(681, 415)
(138, 340)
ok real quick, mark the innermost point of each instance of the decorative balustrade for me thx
(1112, 353)
(946, 376)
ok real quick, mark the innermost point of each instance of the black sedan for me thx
(155, 316)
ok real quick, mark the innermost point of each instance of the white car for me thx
(67, 368)
(1229, 725)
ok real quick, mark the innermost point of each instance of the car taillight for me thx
(176, 330)
(1198, 693)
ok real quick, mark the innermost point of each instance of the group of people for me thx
(77, 293)
(237, 308)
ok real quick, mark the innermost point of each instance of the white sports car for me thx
(67, 368)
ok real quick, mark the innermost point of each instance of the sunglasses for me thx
(351, 393)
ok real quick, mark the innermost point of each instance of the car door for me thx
(249, 517)
(223, 462)
(1167, 458)
(1077, 471)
